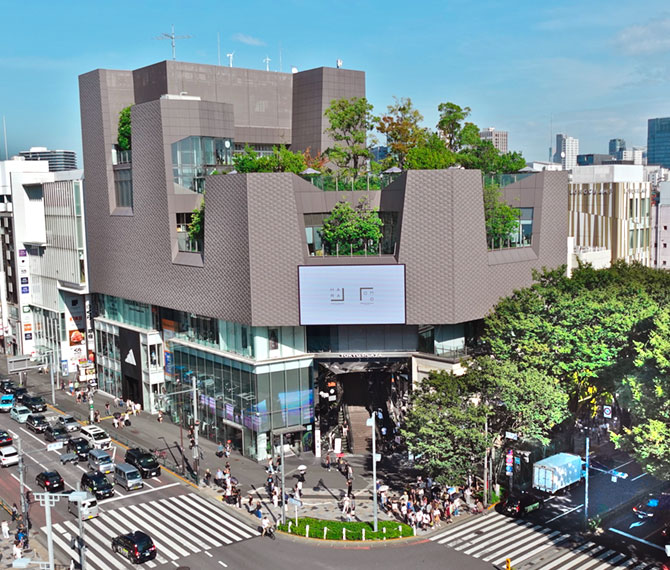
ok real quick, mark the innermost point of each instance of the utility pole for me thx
(24, 507)
(586, 487)
(486, 463)
(51, 373)
(283, 492)
(82, 544)
(196, 429)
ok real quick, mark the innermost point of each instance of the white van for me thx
(89, 507)
(96, 437)
(99, 460)
(127, 476)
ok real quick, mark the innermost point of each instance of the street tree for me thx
(430, 154)
(401, 125)
(349, 123)
(124, 136)
(351, 229)
(444, 428)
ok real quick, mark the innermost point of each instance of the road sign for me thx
(511, 435)
(509, 458)
(607, 412)
(295, 502)
(55, 445)
(509, 469)
(517, 461)
(378, 457)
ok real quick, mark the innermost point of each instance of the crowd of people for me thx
(19, 539)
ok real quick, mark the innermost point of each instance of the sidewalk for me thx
(322, 489)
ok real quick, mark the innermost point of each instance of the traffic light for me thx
(508, 564)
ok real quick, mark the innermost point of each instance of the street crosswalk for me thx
(494, 538)
(179, 526)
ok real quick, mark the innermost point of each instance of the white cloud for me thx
(644, 39)
(249, 40)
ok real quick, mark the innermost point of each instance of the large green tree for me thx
(451, 125)
(349, 123)
(401, 125)
(351, 229)
(281, 160)
(647, 393)
(430, 154)
(444, 428)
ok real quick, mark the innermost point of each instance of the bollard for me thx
(289, 527)
(384, 529)
(344, 534)
(325, 532)
(414, 529)
(363, 534)
(307, 531)
(399, 530)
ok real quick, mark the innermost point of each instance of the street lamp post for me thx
(283, 491)
(196, 429)
(586, 487)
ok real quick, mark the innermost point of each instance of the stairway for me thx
(361, 434)
(340, 423)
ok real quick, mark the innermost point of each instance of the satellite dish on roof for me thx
(294, 69)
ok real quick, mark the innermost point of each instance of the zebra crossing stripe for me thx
(486, 538)
(107, 540)
(90, 555)
(610, 562)
(496, 547)
(242, 528)
(578, 561)
(158, 533)
(604, 556)
(199, 525)
(483, 528)
(464, 528)
(178, 532)
(204, 507)
(519, 554)
(554, 563)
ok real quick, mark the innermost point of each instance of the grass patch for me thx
(354, 529)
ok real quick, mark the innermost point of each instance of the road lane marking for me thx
(208, 554)
(223, 564)
(136, 494)
(565, 513)
(33, 436)
(150, 486)
(642, 540)
(638, 477)
(623, 464)
(19, 480)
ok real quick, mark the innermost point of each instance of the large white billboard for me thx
(352, 294)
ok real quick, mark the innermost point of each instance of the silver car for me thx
(68, 423)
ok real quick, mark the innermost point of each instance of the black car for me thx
(136, 546)
(35, 404)
(50, 481)
(80, 447)
(519, 505)
(37, 423)
(144, 461)
(654, 504)
(52, 433)
(20, 394)
(97, 484)
(5, 438)
(7, 386)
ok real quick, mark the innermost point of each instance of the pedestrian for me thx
(345, 504)
(219, 450)
(137, 409)
(350, 471)
(15, 512)
(227, 451)
(208, 477)
(16, 550)
(129, 404)
(250, 501)
(115, 420)
(327, 462)
(106, 408)
(257, 510)
(5, 530)
(350, 485)
(96, 416)
(159, 418)
(275, 498)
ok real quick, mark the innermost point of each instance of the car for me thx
(7, 386)
(53, 433)
(50, 481)
(97, 437)
(97, 484)
(144, 461)
(518, 505)
(20, 394)
(36, 404)
(7, 402)
(5, 438)
(68, 423)
(654, 504)
(136, 546)
(19, 413)
(80, 447)
(37, 423)
(8, 456)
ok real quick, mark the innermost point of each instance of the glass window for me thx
(273, 339)
(195, 157)
(123, 187)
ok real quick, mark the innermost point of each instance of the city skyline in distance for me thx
(593, 73)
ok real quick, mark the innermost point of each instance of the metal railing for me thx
(364, 182)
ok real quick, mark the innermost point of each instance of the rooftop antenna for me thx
(267, 61)
(4, 128)
(171, 36)
(230, 59)
(339, 64)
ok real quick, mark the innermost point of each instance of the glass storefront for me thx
(238, 401)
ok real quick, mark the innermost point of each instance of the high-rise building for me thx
(258, 313)
(59, 160)
(616, 145)
(498, 138)
(45, 302)
(567, 149)
(658, 141)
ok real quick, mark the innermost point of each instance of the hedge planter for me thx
(337, 530)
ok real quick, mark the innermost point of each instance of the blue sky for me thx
(595, 70)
